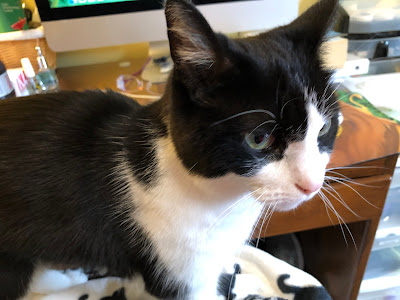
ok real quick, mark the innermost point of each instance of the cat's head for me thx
(260, 107)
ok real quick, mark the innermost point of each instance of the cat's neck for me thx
(205, 191)
(153, 122)
(210, 217)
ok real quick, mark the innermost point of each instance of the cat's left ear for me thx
(194, 46)
(313, 24)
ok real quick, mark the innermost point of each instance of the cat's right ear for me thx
(310, 28)
(194, 45)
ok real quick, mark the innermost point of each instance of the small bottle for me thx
(6, 88)
(45, 74)
(35, 85)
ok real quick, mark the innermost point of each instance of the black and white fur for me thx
(168, 190)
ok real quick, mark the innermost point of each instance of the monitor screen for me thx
(72, 3)
(51, 10)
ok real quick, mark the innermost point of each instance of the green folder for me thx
(11, 13)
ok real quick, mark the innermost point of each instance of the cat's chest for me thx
(193, 242)
(193, 223)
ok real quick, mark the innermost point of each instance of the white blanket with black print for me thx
(256, 275)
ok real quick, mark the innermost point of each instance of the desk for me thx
(101, 76)
(366, 142)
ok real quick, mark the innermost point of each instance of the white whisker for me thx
(355, 191)
(245, 113)
(286, 103)
(340, 200)
(262, 224)
(356, 167)
(270, 216)
(340, 220)
(263, 123)
(349, 180)
(259, 217)
(326, 207)
(229, 209)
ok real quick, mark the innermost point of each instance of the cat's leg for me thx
(15, 275)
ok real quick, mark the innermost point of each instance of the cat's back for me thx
(71, 108)
(50, 123)
(60, 138)
(45, 135)
(42, 130)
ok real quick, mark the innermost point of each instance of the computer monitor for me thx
(84, 24)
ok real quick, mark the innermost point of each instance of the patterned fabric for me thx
(253, 275)
(359, 101)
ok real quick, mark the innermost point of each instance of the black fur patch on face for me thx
(326, 142)
(256, 84)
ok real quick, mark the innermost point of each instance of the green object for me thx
(359, 101)
(11, 13)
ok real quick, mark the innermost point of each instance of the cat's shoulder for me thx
(89, 100)
(64, 97)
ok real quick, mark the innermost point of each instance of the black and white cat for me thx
(168, 190)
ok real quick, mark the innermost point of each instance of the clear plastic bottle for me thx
(45, 74)
(35, 85)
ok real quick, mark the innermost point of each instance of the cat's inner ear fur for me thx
(313, 24)
(193, 43)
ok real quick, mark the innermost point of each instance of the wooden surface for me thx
(11, 53)
(104, 76)
(101, 76)
(332, 261)
(363, 137)
(366, 145)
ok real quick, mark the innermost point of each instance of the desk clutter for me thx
(25, 81)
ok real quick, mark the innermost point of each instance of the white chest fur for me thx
(195, 224)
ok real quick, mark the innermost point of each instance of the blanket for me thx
(254, 275)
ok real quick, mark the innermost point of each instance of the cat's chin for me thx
(289, 204)
(284, 202)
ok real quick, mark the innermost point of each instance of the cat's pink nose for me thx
(308, 187)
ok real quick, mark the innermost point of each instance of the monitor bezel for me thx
(63, 13)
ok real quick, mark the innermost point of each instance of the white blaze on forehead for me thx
(315, 123)
(302, 164)
(305, 158)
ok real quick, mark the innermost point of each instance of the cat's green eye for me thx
(259, 141)
(324, 130)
